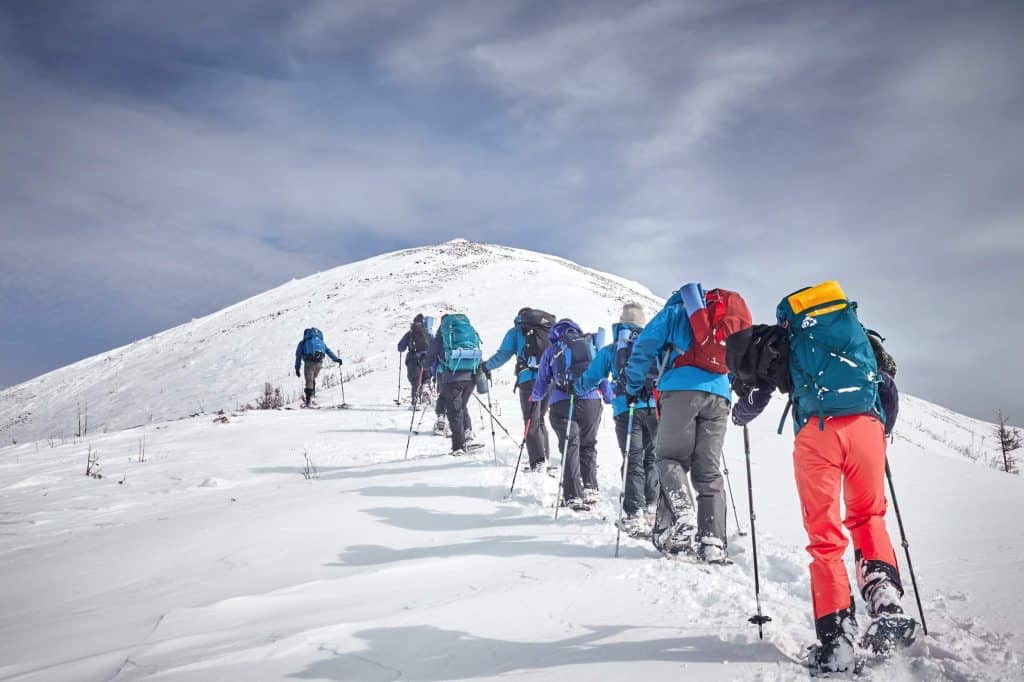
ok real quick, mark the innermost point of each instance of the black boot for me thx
(309, 397)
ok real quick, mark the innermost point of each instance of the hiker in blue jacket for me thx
(455, 381)
(694, 406)
(535, 325)
(641, 484)
(579, 449)
(310, 355)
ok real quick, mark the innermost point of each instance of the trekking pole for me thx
(759, 619)
(494, 438)
(728, 483)
(341, 374)
(625, 468)
(906, 545)
(526, 432)
(398, 399)
(419, 422)
(565, 449)
(496, 420)
(408, 439)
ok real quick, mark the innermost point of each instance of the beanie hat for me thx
(633, 313)
(418, 319)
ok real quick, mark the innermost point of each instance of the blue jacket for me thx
(298, 355)
(544, 379)
(602, 365)
(672, 326)
(513, 344)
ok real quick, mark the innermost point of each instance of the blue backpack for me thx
(831, 361)
(313, 346)
(461, 344)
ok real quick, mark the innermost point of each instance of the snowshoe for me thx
(889, 632)
(591, 495)
(712, 551)
(837, 657)
(457, 453)
(552, 470)
(634, 525)
(473, 447)
(576, 504)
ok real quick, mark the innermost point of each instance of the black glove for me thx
(296, 371)
(631, 399)
(340, 363)
(486, 372)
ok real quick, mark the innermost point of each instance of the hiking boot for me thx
(834, 651)
(458, 453)
(441, 426)
(576, 504)
(712, 550)
(834, 656)
(538, 467)
(635, 525)
(470, 436)
(882, 597)
(591, 495)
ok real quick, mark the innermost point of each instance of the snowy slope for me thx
(216, 559)
(222, 361)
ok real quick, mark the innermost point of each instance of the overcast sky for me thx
(160, 160)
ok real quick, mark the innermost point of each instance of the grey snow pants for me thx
(690, 438)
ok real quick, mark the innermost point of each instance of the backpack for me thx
(623, 350)
(313, 346)
(419, 338)
(759, 357)
(713, 319)
(886, 362)
(831, 361)
(461, 344)
(575, 351)
(535, 325)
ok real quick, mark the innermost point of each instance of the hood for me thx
(561, 328)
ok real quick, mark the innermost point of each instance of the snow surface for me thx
(215, 558)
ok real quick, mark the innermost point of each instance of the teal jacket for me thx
(671, 327)
(512, 345)
(603, 365)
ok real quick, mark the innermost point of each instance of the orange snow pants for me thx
(849, 454)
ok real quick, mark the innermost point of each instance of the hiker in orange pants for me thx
(849, 453)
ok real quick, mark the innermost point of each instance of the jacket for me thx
(513, 344)
(602, 365)
(671, 327)
(545, 380)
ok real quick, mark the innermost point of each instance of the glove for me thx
(296, 371)
(486, 372)
(340, 363)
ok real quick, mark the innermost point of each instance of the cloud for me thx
(163, 166)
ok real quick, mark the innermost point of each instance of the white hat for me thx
(633, 313)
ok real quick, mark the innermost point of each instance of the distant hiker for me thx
(694, 402)
(417, 342)
(823, 358)
(310, 354)
(565, 360)
(456, 350)
(527, 340)
(641, 484)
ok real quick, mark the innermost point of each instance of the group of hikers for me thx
(671, 384)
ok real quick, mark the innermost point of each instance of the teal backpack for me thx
(831, 360)
(461, 344)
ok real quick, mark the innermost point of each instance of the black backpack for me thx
(535, 325)
(623, 350)
(886, 362)
(419, 339)
(575, 351)
(758, 357)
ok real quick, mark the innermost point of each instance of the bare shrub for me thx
(309, 471)
(271, 398)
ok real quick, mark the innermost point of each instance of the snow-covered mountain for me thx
(221, 361)
(204, 552)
